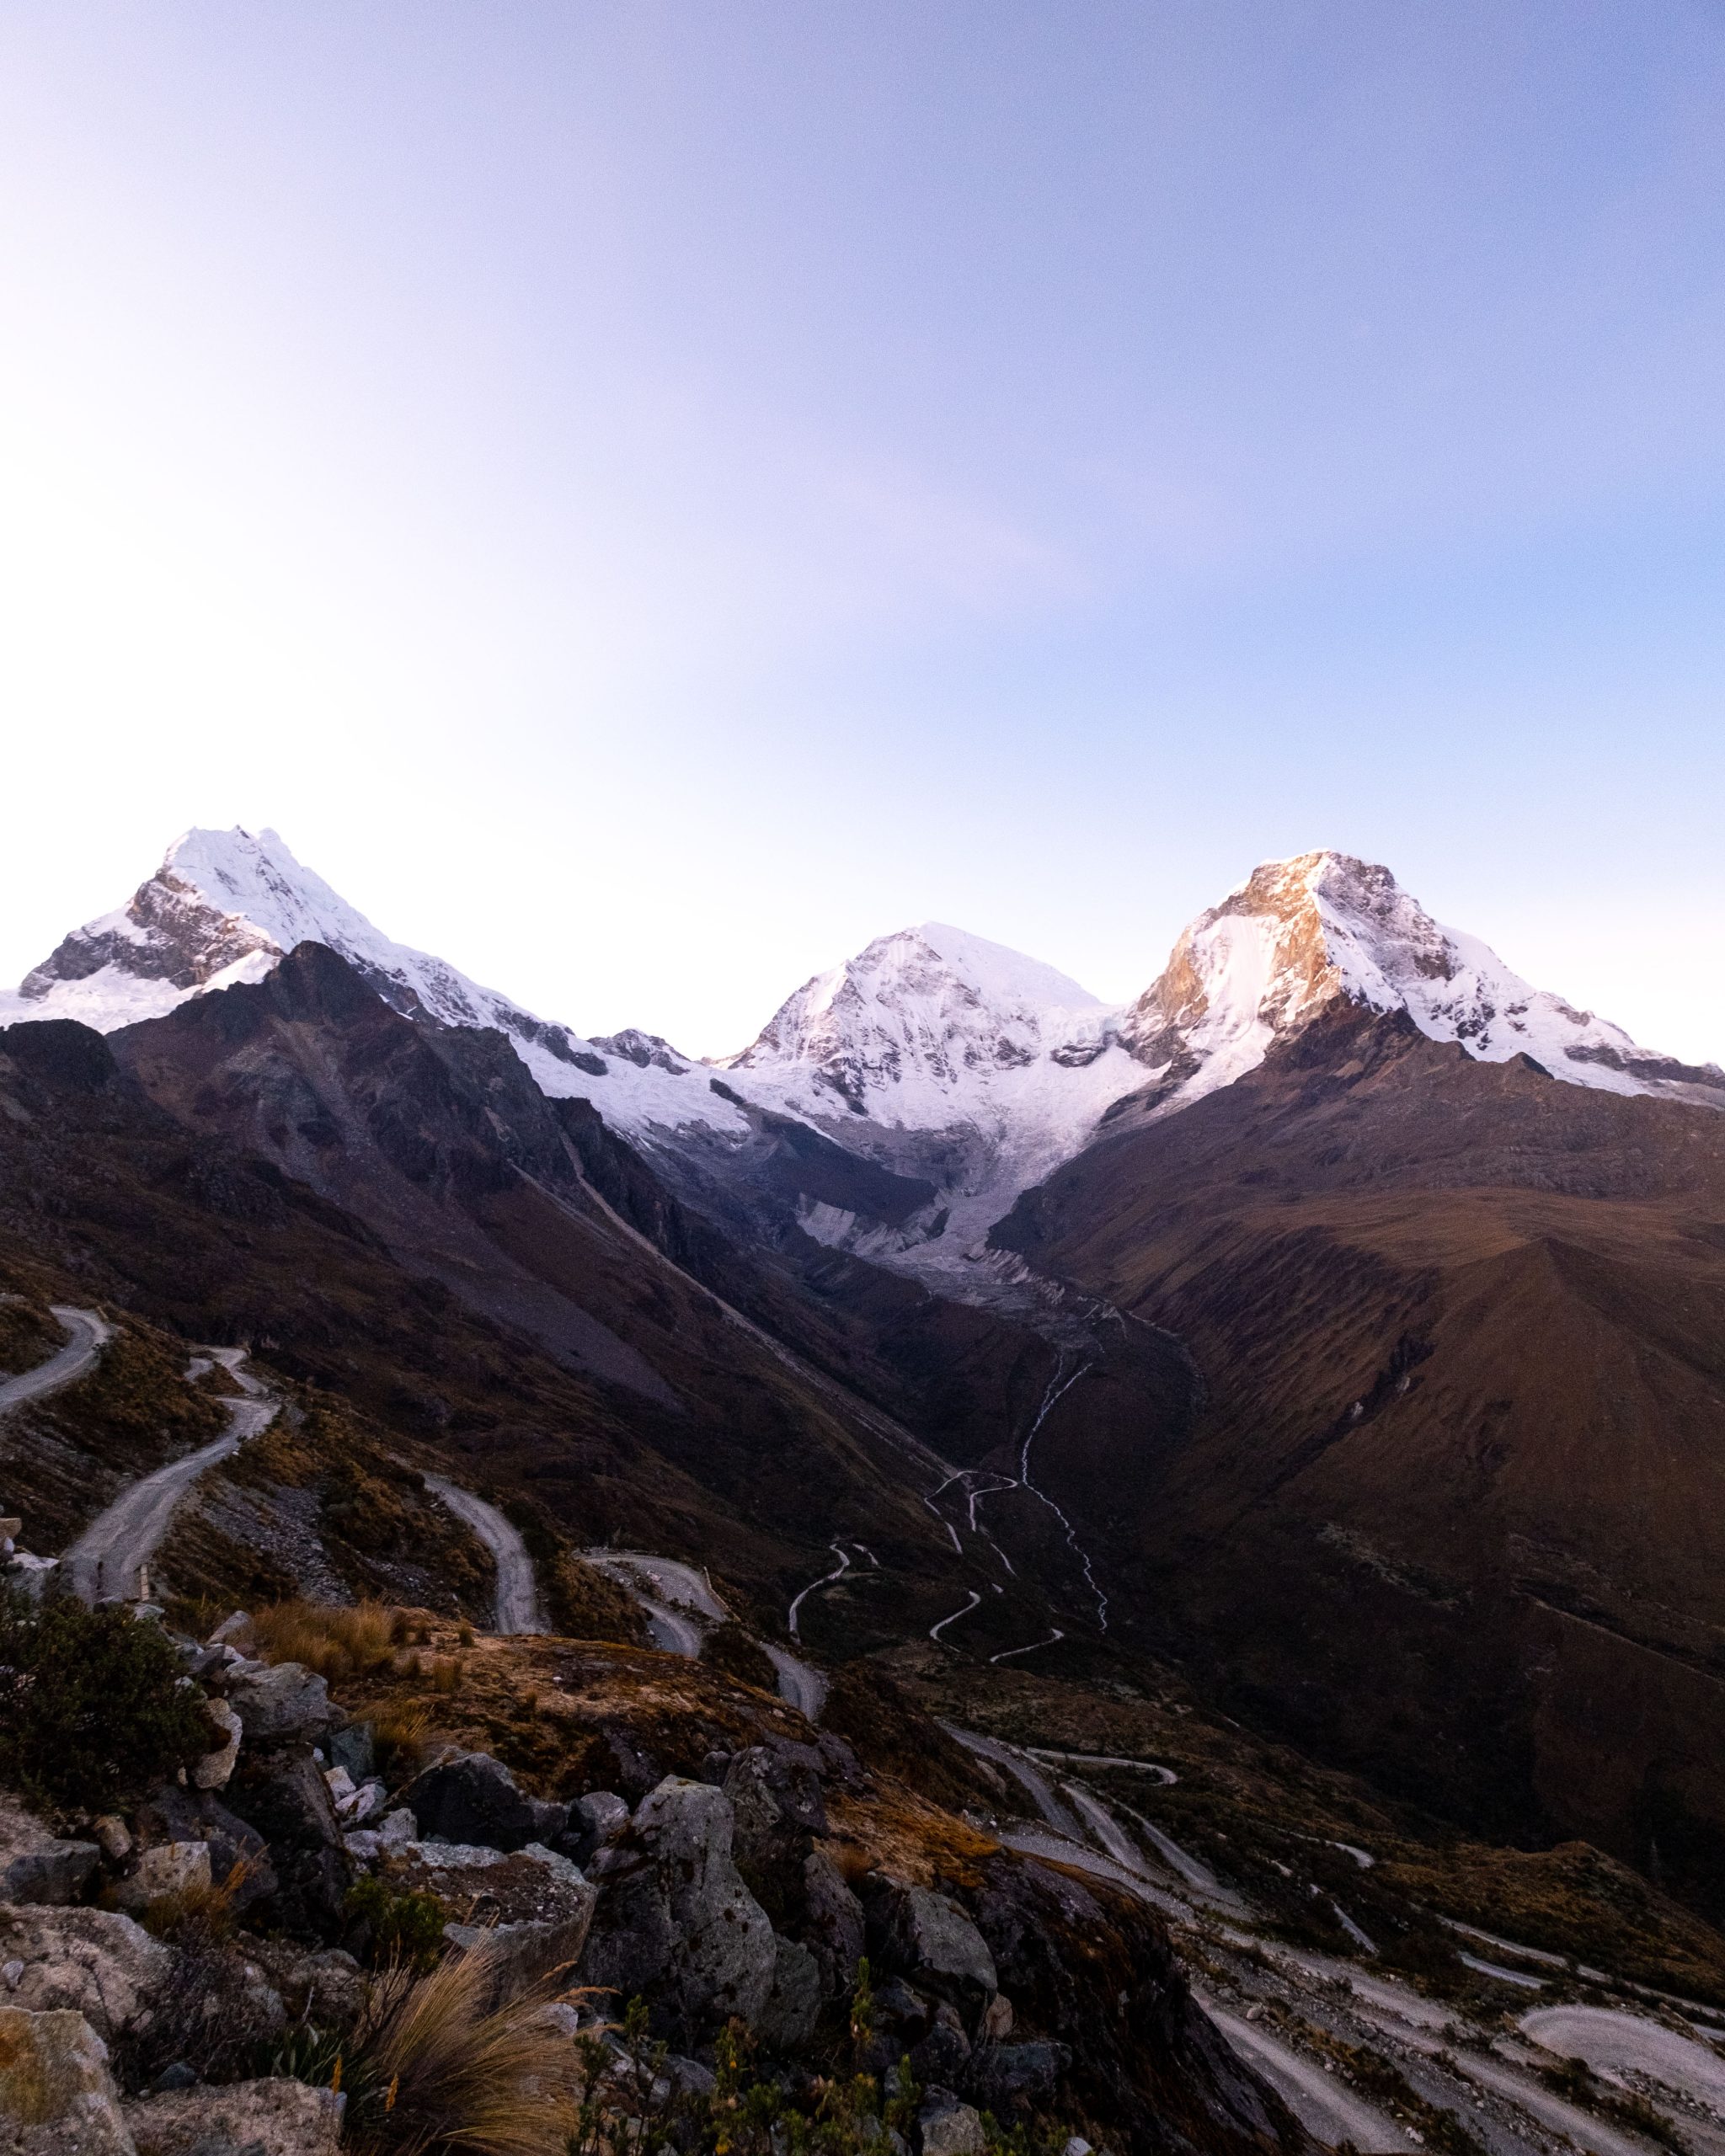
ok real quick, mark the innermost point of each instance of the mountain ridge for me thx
(946, 1060)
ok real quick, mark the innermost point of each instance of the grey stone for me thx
(528, 1910)
(213, 1769)
(57, 2097)
(833, 1927)
(113, 1837)
(786, 2020)
(1005, 2077)
(355, 1748)
(277, 1702)
(941, 2055)
(931, 1938)
(170, 1868)
(56, 1873)
(173, 1814)
(277, 2117)
(675, 1918)
(595, 1821)
(35, 1865)
(949, 2127)
(88, 1962)
(775, 1794)
(469, 1796)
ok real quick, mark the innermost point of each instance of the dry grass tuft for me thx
(454, 2071)
(400, 1734)
(334, 1641)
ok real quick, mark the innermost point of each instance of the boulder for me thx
(88, 1962)
(281, 1792)
(355, 1747)
(1009, 2078)
(56, 1874)
(787, 2021)
(281, 1702)
(57, 2097)
(776, 1795)
(35, 1865)
(833, 1925)
(168, 1868)
(595, 1821)
(173, 1814)
(529, 1909)
(213, 1769)
(930, 1937)
(949, 2127)
(276, 2118)
(676, 1921)
(472, 1798)
(941, 2058)
(113, 1837)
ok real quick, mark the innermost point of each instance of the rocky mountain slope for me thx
(944, 1073)
(1448, 1506)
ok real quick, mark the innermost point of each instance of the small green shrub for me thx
(399, 1927)
(94, 1705)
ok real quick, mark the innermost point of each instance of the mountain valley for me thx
(1305, 1382)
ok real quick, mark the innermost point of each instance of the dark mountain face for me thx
(395, 1210)
(1451, 1508)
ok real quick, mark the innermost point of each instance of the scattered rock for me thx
(355, 1747)
(276, 2118)
(54, 1873)
(57, 2097)
(1006, 2078)
(675, 1920)
(281, 1793)
(213, 1769)
(529, 1909)
(930, 1936)
(997, 2018)
(236, 1630)
(170, 1868)
(173, 1814)
(595, 1821)
(35, 1865)
(113, 1837)
(88, 1962)
(949, 2127)
(470, 1797)
(941, 2058)
(833, 1927)
(786, 2020)
(282, 1702)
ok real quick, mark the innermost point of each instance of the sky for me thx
(647, 497)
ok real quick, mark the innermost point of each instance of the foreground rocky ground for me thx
(674, 1910)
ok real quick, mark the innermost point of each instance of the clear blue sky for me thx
(646, 497)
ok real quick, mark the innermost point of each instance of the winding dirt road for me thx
(682, 1608)
(90, 1332)
(107, 1557)
(517, 1589)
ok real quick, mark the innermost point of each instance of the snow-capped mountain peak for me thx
(225, 907)
(1299, 933)
(919, 1022)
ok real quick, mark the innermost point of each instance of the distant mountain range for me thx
(949, 1060)
(1342, 1318)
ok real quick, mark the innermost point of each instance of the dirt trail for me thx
(517, 1590)
(90, 1331)
(108, 1558)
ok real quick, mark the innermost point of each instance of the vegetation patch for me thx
(1574, 1901)
(94, 1705)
